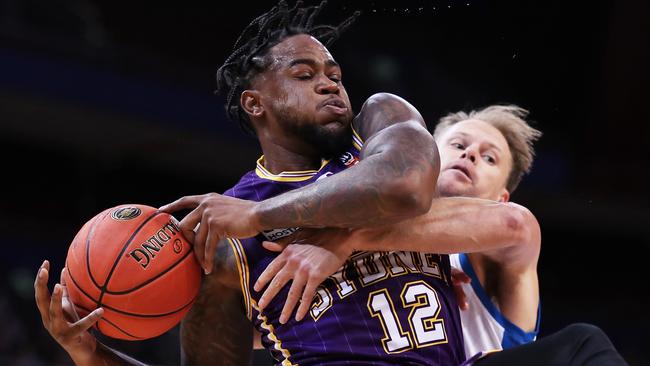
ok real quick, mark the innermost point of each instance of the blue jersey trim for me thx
(512, 335)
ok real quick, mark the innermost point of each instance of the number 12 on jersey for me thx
(425, 327)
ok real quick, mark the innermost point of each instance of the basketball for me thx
(133, 261)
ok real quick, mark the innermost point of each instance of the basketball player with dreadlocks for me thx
(283, 84)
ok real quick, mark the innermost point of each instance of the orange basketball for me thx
(133, 261)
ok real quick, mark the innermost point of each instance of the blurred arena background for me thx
(111, 102)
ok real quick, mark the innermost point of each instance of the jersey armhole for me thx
(513, 335)
(242, 269)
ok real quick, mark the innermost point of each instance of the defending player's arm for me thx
(452, 225)
(509, 276)
(459, 224)
(395, 179)
(503, 242)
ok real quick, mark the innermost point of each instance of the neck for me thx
(280, 157)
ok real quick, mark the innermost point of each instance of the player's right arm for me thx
(60, 320)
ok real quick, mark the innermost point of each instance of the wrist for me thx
(367, 239)
(83, 357)
(256, 211)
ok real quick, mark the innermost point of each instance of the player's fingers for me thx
(211, 242)
(461, 298)
(86, 322)
(68, 309)
(62, 280)
(459, 277)
(189, 235)
(293, 296)
(307, 298)
(189, 223)
(57, 320)
(199, 244)
(274, 247)
(270, 272)
(42, 294)
(183, 203)
(280, 279)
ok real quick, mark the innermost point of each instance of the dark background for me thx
(109, 102)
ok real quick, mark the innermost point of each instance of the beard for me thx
(329, 140)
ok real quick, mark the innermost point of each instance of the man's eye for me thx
(335, 79)
(304, 76)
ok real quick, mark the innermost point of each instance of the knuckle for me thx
(294, 262)
(315, 273)
(303, 270)
(211, 221)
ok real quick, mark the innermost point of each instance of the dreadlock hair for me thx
(248, 56)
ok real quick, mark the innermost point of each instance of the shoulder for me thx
(247, 183)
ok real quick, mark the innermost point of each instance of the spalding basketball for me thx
(133, 261)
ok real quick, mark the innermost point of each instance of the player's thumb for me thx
(274, 247)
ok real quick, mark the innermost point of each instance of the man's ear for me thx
(250, 101)
(504, 196)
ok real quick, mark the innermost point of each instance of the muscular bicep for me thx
(216, 330)
(382, 110)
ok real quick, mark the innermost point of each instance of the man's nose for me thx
(470, 153)
(327, 86)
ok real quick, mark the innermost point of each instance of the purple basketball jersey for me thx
(380, 308)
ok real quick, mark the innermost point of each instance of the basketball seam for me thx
(151, 279)
(79, 287)
(150, 315)
(124, 312)
(119, 256)
(91, 232)
(118, 328)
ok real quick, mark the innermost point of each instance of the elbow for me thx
(408, 197)
(523, 227)
(398, 106)
(411, 191)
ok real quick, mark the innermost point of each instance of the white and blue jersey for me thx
(485, 328)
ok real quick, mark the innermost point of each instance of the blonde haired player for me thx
(484, 154)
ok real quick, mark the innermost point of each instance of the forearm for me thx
(452, 225)
(105, 356)
(357, 197)
(394, 180)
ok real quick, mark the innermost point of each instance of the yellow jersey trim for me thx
(357, 141)
(277, 344)
(242, 268)
(300, 175)
(287, 176)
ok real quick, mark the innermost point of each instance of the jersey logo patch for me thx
(275, 234)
